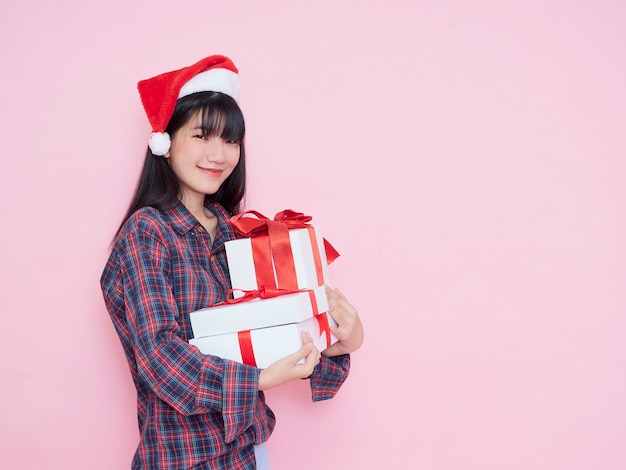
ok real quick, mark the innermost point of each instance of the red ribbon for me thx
(244, 337)
(271, 248)
(322, 321)
(245, 346)
(262, 293)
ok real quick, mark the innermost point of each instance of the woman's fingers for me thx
(349, 331)
(290, 367)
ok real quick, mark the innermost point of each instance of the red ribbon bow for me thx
(251, 223)
(271, 247)
(262, 293)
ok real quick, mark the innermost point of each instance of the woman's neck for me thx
(195, 205)
(206, 218)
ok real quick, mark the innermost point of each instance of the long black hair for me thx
(158, 185)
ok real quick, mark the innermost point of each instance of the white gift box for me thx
(258, 313)
(304, 249)
(264, 346)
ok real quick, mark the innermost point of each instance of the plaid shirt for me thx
(195, 411)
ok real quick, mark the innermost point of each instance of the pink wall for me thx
(466, 158)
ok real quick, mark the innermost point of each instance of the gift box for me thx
(264, 346)
(283, 253)
(266, 308)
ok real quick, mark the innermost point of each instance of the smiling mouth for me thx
(211, 171)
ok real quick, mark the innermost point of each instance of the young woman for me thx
(167, 260)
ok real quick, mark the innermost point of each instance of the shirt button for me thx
(212, 259)
(200, 229)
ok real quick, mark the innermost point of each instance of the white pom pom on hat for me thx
(159, 143)
(159, 94)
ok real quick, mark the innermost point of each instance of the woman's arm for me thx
(190, 382)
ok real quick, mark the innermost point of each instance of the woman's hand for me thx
(350, 329)
(287, 368)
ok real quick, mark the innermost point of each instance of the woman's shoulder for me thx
(144, 229)
(146, 218)
(145, 222)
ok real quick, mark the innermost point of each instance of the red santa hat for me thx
(159, 94)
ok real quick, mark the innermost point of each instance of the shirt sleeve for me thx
(328, 376)
(184, 378)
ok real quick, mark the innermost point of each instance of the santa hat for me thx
(159, 94)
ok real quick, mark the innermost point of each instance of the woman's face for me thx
(201, 163)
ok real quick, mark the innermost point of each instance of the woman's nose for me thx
(215, 149)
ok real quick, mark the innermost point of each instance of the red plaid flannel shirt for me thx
(194, 410)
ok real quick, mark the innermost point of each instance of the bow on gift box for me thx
(262, 293)
(271, 248)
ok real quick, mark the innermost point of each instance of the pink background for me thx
(466, 158)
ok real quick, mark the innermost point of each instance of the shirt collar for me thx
(182, 221)
(179, 217)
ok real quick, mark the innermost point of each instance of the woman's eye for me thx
(200, 136)
(236, 142)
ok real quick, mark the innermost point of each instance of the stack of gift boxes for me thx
(278, 271)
